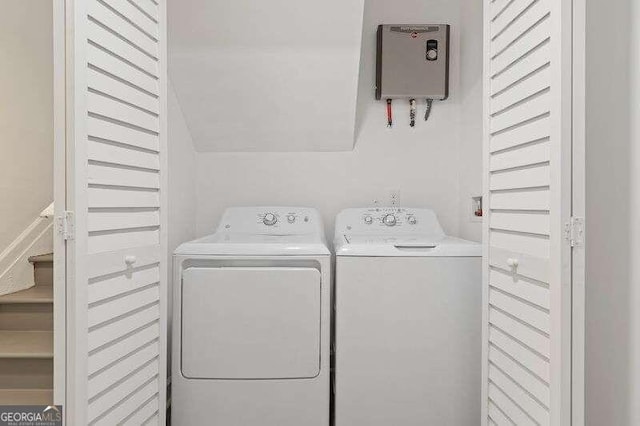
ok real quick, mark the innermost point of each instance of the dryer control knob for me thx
(412, 220)
(291, 218)
(270, 219)
(368, 220)
(390, 220)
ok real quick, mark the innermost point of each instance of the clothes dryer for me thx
(251, 322)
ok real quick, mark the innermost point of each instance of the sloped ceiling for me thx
(267, 75)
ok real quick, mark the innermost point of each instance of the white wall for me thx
(275, 75)
(26, 114)
(182, 177)
(613, 219)
(423, 163)
(470, 157)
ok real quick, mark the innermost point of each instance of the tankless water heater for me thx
(413, 62)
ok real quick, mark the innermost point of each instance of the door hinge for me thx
(66, 226)
(574, 231)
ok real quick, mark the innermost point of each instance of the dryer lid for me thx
(226, 243)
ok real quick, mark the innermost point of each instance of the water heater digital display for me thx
(413, 62)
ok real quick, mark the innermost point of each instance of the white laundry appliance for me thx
(408, 321)
(251, 322)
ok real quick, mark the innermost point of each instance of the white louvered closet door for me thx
(116, 139)
(527, 163)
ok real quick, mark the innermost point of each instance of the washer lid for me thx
(397, 231)
(406, 246)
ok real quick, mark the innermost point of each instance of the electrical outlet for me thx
(394, 197)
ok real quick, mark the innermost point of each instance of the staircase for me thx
(26, 340)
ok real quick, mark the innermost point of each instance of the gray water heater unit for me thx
(413, 62)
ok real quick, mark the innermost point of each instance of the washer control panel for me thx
(271, 220)
(388, 221)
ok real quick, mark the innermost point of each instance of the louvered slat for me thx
(134, 15)
(521, 243)
(146, 414)
(98, 150)
(536, 200)
(507, 18)
(506, 404)
(521, 113)
(113, 175)
(122, 113)
(149, 7)
(123, 326)
(141, 398)
(112, 43)
(138, 237)
(117, 22)
(112, 354)
(126, 93)
(527, 177)
(497, 7)
(529, 222)
(103, 380)
(107, 61)
(531, 316)
(525, 133)
(119, 393)
(122, 283)
(151, 420)
(523, 17)
(520, 287)
(114, 220)
(533, 408)
(530, 86)
(113, 309)
(520, 48)
(520, 375)
(530, 154)
(536, 364)
(122, 198)
(101, 129)
(529, 337)
(497, 417)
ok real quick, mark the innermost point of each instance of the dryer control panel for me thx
(271, 220)
(388, 221)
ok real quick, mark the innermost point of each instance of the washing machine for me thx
(408, 321)
(251, 322)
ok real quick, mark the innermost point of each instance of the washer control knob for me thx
(368, 220)
(412, 220)
(291, 218)
(270, 219)
(390, 220)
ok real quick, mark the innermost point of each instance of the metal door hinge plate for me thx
(574, 231)
(65, 226)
